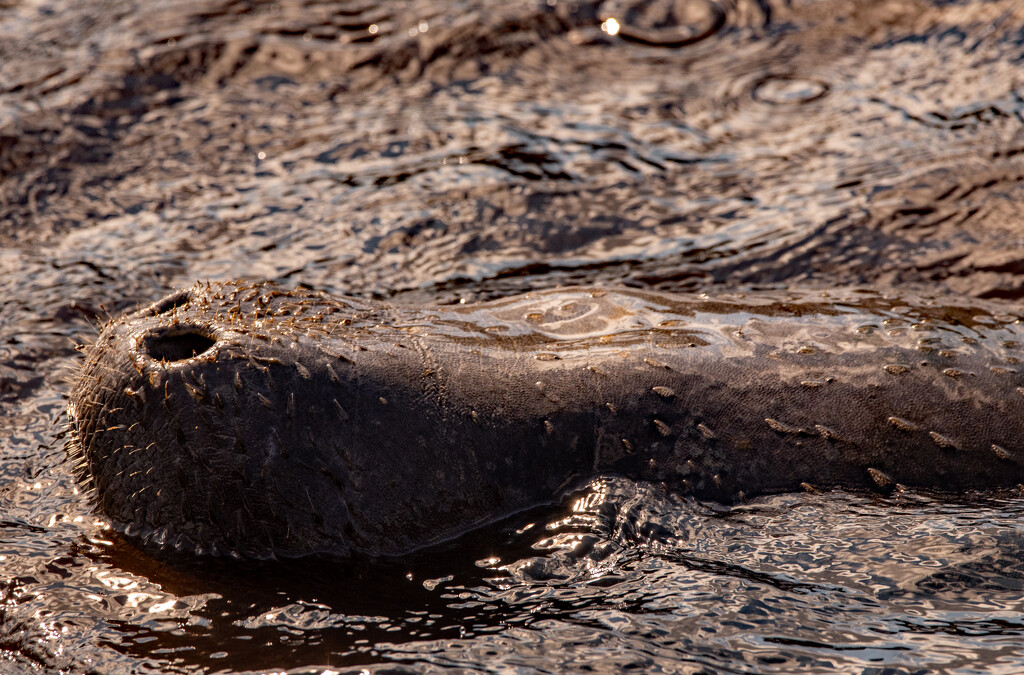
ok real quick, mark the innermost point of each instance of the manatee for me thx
(248, 420)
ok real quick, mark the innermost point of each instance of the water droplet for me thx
(662, 23)
(610, 26)
(827, 432)
(781, 427)
(902, 424)
(880, 478)
(431, 584)
(785, 90)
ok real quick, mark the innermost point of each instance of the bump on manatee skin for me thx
(247, 420)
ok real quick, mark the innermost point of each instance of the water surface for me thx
(436, 152)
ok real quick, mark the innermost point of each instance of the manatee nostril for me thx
(179, 345)
(179, 299)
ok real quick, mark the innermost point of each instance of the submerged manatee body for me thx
(247, 420)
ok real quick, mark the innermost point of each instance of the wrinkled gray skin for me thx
(305, 423)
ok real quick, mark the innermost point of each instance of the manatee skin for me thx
(246, 420)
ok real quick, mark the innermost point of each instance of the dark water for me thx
(428, 151)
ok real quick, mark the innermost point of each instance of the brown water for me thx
(429, 151)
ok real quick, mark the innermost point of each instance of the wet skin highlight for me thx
(249, 420)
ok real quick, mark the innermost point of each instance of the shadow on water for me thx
(668, 581)
(317, 611)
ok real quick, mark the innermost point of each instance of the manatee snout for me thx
(246, 421)
(189, 431)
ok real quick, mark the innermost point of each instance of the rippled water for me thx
(429, 151)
